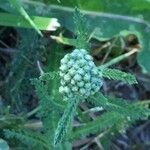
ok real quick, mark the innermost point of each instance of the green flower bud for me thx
(74, 55)
(81, 62)
(73, 82)
(70, 63)
(66, 57)
(77, 77)
(86, 77)
(62, 82)
(97, 88)
(81, 71)
(87, 85)
(80, 84)
(72, 72)
(94, 71)
(64, 61)
(74, 89)
(91, 64)
(61, 89)
(76, 66)
(66, 90)
(80, 55)
(82, 91)
(63, 68)
(76, 51)
(92, 92)
(88, 57)
(79, 74)
(86, 68)
(95, 80)
(67, 77)
(61, 74)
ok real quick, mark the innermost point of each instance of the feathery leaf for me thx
(65, 121)
(105, 121)
(118, 75)
(27, 137)
(81, 30)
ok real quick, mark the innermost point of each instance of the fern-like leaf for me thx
(119, 114)
(66, 120)
(118, 75)
(81, 29)
(105, 121)
(27, 137)
(132, 111)
(49, 76)
(42, 92)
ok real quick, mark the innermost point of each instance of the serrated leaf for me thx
(49, 76)
(81, 29)
(134, 111)
(65, 121)
(105, 121)
(45, 99)
(118, 75)
(27, 137)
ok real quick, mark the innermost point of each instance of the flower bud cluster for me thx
(79, 75)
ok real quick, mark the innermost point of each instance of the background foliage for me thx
(29, 47)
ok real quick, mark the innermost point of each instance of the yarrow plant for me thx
(79, 75)
(81, 79)
(78, 80)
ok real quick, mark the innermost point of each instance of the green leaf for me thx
(111, 18)
(133, 111)
(118, 110)
(105, 121)
(45, 99)
(81, 29)
(111, 24)
(3, 145)
(66, 120)
(118, 75)
(42, 23)
(27, 137)
(21, 10)
(49, 76)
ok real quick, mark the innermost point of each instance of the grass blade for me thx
(21, 10)
(43, 23)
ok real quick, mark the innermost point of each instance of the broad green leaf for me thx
(21, 10)
(117, 16)
(43, 23)
(111, 25)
